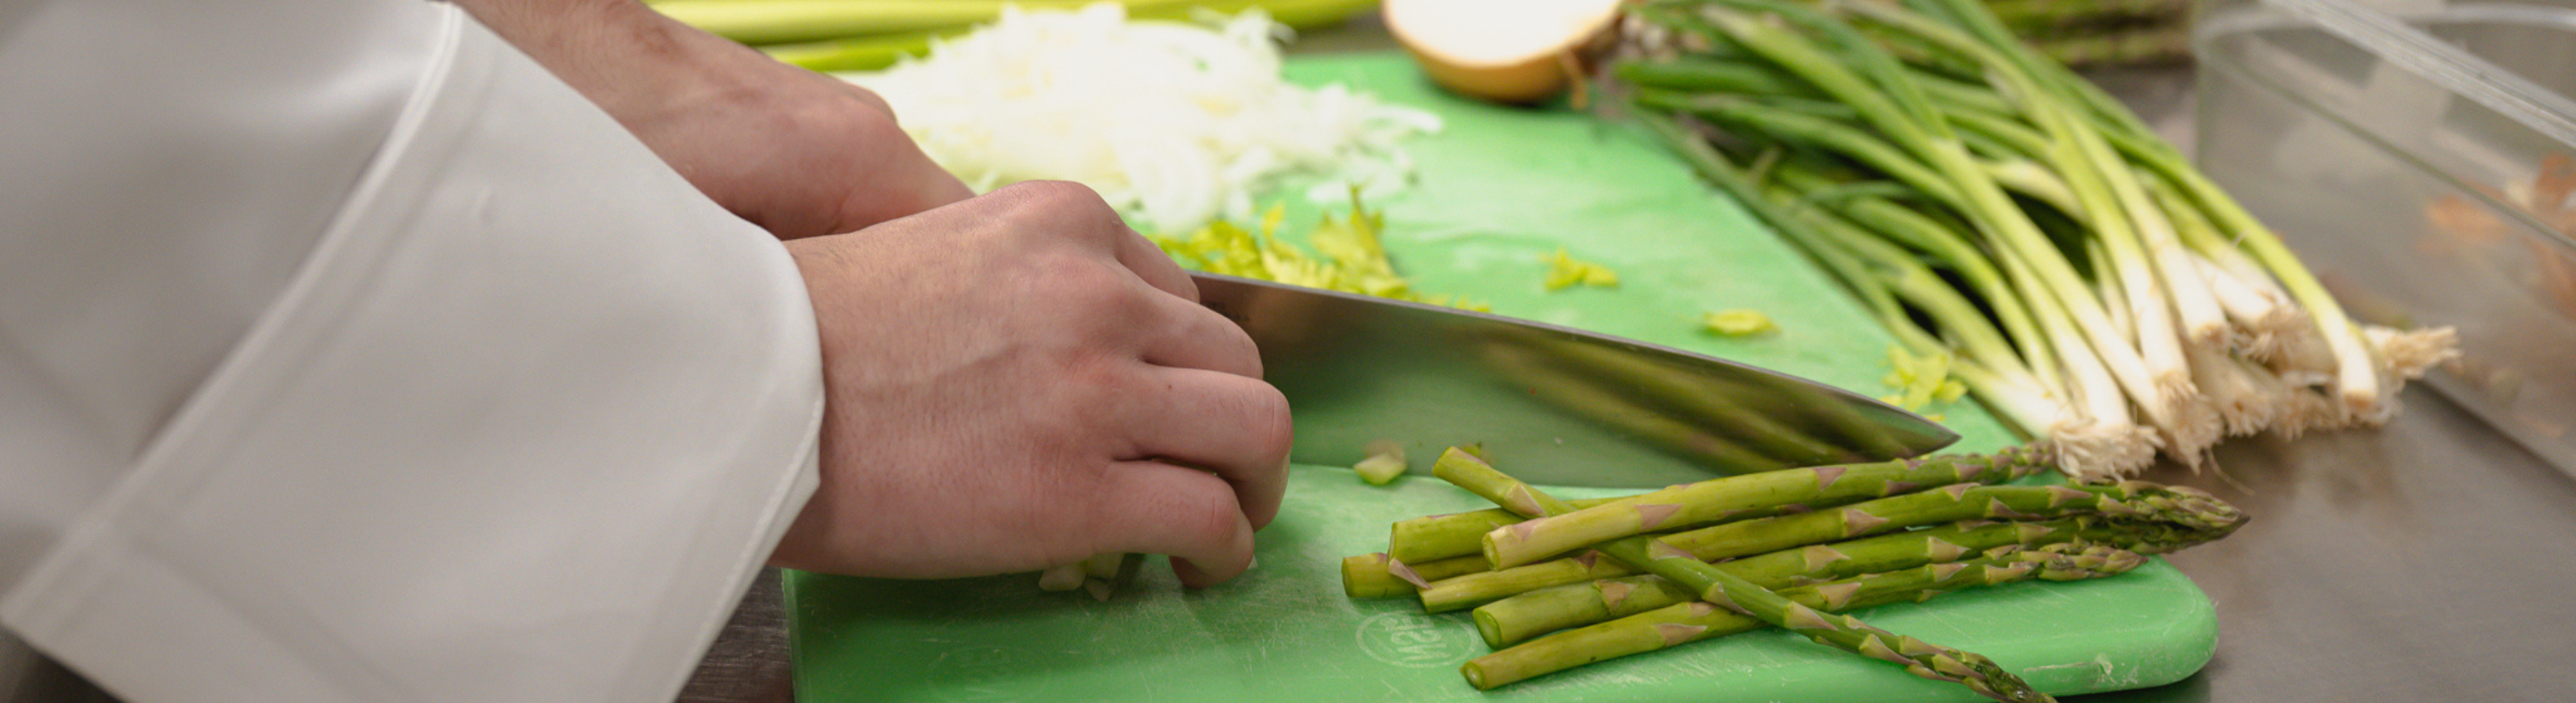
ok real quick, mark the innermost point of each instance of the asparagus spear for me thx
(1544, 610)
(1727, 498)
(2135, 500)
(1734, 593)
(1791, 566)
(1688, 622)
(1952, 503)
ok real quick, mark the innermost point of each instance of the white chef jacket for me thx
(345, 354)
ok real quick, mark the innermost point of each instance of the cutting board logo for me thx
(1416, 640)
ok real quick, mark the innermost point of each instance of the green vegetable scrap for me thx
(1564, 271)
(1353, 261)
(1737, 322)
(1385, 462)
(1921, 380)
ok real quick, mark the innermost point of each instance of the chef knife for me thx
(1557, 405)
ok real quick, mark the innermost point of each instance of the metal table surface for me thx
(2427, 560)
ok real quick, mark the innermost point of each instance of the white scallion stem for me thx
(2029, 178)
(2243, 407)
(2260, 318)
(2099, 439)
(2115, 300)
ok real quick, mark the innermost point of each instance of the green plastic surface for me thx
(1500, 189)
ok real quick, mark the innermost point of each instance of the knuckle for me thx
(1212, 520)
(866, 121)
(1092, 383)
(1056, 196)
(1068, 208)
(870, 99)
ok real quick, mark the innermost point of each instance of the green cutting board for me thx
(1500, 189)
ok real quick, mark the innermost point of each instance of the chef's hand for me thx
(1020, 381)
(795, 151)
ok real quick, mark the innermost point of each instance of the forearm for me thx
(600, 47)
(796, 151)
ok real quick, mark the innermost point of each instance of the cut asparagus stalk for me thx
(1426, 539)
(1690, 622)
(1717, 586)
(1728, 498)
(1478, 588)
(1380, 469)
(1377, 575)
(1512, 620)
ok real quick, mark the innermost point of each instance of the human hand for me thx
(797, 152)
(1001, 376)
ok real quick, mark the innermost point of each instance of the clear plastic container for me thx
(2419, 156)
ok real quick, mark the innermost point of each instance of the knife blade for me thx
(1557, 405)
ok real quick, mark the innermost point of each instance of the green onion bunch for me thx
(1987, 203)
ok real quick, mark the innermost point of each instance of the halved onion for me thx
(1511, 51)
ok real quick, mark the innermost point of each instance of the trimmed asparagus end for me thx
(1380, 469)
(1491, 629)
(1362, 577)
(1061, 578)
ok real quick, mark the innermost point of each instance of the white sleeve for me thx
(520, 426)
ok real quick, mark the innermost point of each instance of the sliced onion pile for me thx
(1176, 124)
